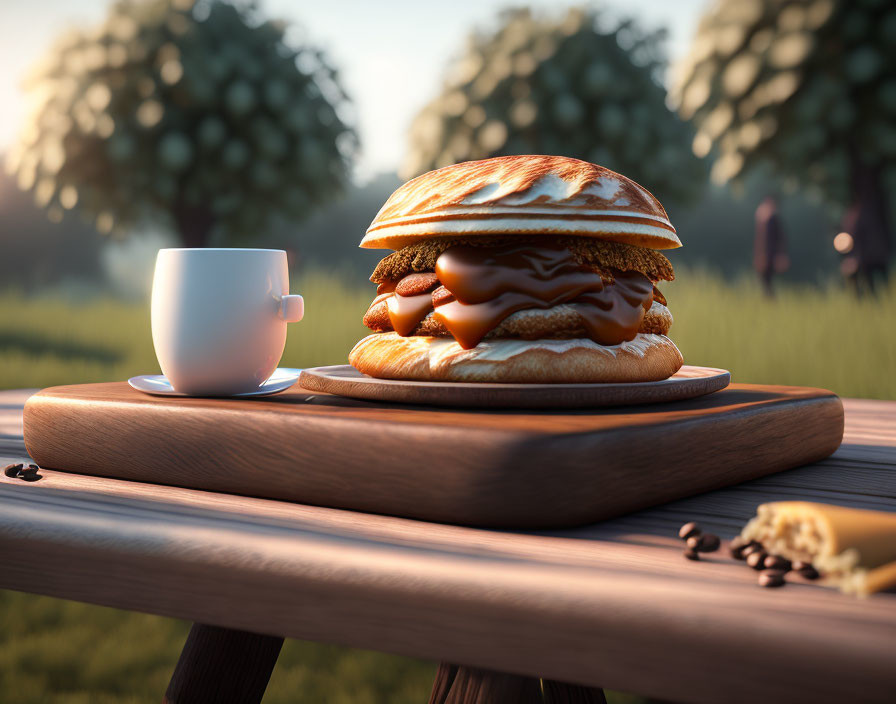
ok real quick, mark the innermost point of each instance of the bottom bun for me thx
(387, 355)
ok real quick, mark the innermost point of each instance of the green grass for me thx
(47, 342)
(805, 336)
(62, 652)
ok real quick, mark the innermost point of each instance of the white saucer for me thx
(158, 385)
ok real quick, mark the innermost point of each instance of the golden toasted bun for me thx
(387, 355)
(526, 195)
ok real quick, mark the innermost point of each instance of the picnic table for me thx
(611, 605)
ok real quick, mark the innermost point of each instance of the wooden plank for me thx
(517, 469)
(617, 607)
(613, 604)
(866, 420)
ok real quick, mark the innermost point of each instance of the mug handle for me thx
(292, 308)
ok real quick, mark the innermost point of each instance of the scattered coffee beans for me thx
(689, 530)
(776, 562)
(756, 559)
(771, 578)
(740, 548)
(805, 570)
(772, 568)
(750, 548)
(22, 471)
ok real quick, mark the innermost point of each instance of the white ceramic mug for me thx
(219, 317)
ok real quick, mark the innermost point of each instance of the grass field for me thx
(65, 653)
(806, 336)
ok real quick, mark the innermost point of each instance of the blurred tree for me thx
(198, 114)
(808, 89)
(560, 86)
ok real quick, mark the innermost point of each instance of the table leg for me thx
(223, 666)
(467, 685)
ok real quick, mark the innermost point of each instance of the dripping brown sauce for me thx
(483, 286)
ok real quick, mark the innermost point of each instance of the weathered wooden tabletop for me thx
(613, 604)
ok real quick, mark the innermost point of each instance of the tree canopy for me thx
(570, 86)
(200, 115)
(807, 87)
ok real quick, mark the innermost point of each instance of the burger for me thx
(526, 269)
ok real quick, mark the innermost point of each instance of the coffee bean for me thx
(776, 562)
(750, 548)
(689, 530)
(756, 559)
(12, 470)
(708, 543)
(809, 572)
(693, 543)
(30, 476)
(771, 578)
(805, 569)
(737, 546)
(692, 554)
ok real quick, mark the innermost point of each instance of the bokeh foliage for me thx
(568, 85)
(201, 115)
(807, 87)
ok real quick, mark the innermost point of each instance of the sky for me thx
(392, 54)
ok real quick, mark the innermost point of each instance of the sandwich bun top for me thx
(527, 195)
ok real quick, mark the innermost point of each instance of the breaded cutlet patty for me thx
(558, 322)
(598, 255)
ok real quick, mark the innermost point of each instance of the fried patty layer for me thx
(597, 255)
(559, 322)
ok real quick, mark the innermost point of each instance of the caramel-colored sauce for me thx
(615, 314)
(406, 312)
(546, 272)
(489, 284)
(481, 286)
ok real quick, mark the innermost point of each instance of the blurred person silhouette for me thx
(769, 246)
(866, 225)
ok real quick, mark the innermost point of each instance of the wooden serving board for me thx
(522, 469)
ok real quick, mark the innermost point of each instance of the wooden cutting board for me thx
(507, 468)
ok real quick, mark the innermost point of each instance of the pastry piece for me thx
(852, 548)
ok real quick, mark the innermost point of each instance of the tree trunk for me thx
(868, 221)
